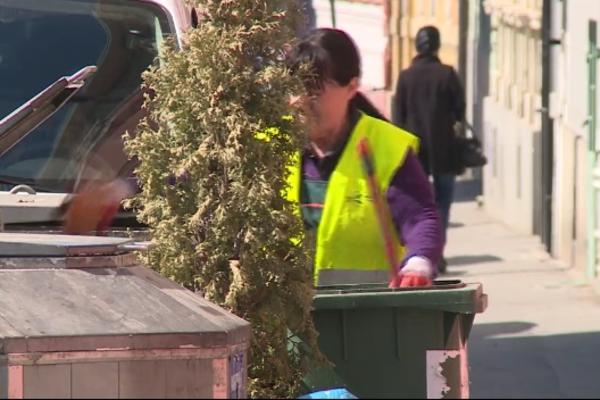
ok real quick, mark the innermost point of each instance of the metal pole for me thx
(547, 142)
(463, 37)
(592, 59)
(332, 4)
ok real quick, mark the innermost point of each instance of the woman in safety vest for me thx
(331, 187)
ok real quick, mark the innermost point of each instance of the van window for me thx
(41, 41)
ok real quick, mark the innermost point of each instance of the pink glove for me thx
(418, 271)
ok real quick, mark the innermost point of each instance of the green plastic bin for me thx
(401, 343)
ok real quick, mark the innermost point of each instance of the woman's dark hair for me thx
(361, 102)
(330, 55)
(427, 40)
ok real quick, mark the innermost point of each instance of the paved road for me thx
(540, 336)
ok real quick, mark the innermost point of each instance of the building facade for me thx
(384, 31)
(405, 17)
(574, 112)
(538, 113)
(510, 120)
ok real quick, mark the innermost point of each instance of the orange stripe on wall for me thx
(220, 378)
(15, 382)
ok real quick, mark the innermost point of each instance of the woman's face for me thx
(327, 108)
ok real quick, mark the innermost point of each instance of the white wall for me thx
(508, 177)
(472, 70)
(569, 108)
(576, 44)
(365, 24)
(511, 124)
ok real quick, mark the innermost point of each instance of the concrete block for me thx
(189, 379)
(142, 379)
(47, 381)
(95, 380)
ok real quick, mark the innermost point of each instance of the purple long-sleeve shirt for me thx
(409, 197)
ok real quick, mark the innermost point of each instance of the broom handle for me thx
(381, 207)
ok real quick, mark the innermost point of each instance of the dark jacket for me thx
(429, 100)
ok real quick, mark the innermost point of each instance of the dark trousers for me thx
(443, 187)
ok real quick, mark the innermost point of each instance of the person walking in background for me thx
(330, 187)
(429, 101)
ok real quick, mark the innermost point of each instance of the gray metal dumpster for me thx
(80, 318)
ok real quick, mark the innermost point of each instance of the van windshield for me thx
(41, 41)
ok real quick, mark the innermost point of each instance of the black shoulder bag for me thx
(468, 149)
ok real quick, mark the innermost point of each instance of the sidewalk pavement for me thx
(540, 336)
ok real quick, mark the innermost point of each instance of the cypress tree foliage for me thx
(211, 154)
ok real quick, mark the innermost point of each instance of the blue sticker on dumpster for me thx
(330, 394)
(236, 368)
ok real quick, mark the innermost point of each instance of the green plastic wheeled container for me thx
(402, 343)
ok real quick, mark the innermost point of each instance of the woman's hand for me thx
(92, 209)
(418, 271)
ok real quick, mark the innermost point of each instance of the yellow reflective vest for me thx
(349, 237)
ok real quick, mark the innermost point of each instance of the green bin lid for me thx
(451, 295)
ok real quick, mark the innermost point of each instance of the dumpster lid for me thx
(50, 245)
(48, 310)
(444, 295)
(381, 288)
